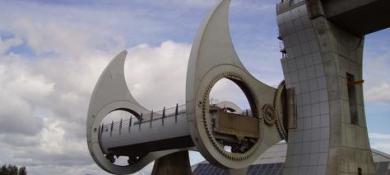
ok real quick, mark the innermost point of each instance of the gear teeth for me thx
(205, 116)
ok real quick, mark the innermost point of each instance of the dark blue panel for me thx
(261, 169)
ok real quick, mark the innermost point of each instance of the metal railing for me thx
(144, 118)
(149, 118)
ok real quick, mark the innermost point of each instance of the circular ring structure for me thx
(110, 94)
(203, 134)
(280, 111)
(94, 144)
(269, 114)
(213, 57)
(236, 78)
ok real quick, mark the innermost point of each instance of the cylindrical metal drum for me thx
(160, 132)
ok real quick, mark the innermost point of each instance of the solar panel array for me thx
(266, 169)
(261, 169)
(271, 163)
(205, 168)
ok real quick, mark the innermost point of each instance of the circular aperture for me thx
(233, 123)
(114, 124)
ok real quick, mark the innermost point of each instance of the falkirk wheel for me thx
(318, 109)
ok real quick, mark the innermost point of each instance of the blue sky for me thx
(52, 52)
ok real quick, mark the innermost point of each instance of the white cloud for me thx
(156, 75)
(52, 137)
(6, 44)
(15, 109)
(55, 93)
(44, 97)
(380, 141)
(60, 38)
(383, 147)
(227, 90)
(247, 6)
(200, 3)
(376, 71)
(380, 92)
(379, 136)
(66, 170)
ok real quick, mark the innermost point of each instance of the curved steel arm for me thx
(213, 57)
(111, 87)
(111, 93)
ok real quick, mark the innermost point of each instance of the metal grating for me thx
(261, 169)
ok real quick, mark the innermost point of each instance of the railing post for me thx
(120, 127)
(112, 127)
(176, 112)
(151, 119)
(163, 116)
(140, 121)
(131, 118)
(101, 129)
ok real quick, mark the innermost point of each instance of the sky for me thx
(53, 51)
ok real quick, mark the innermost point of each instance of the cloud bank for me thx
(51, 55)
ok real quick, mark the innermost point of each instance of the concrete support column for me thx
(173, 164)
(238, 171)
(323, 65)
(341, 56)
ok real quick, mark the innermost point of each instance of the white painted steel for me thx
(111, 93)
(213, 57)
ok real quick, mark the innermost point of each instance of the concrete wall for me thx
(319, 56)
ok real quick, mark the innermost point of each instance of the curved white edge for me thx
(231, 105)
(194, 62)
(112, 87)
(212, 47)
(212, 50)
(111, 93)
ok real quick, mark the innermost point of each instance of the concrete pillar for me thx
(173, 164)
(238, 171)
(323, 64)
